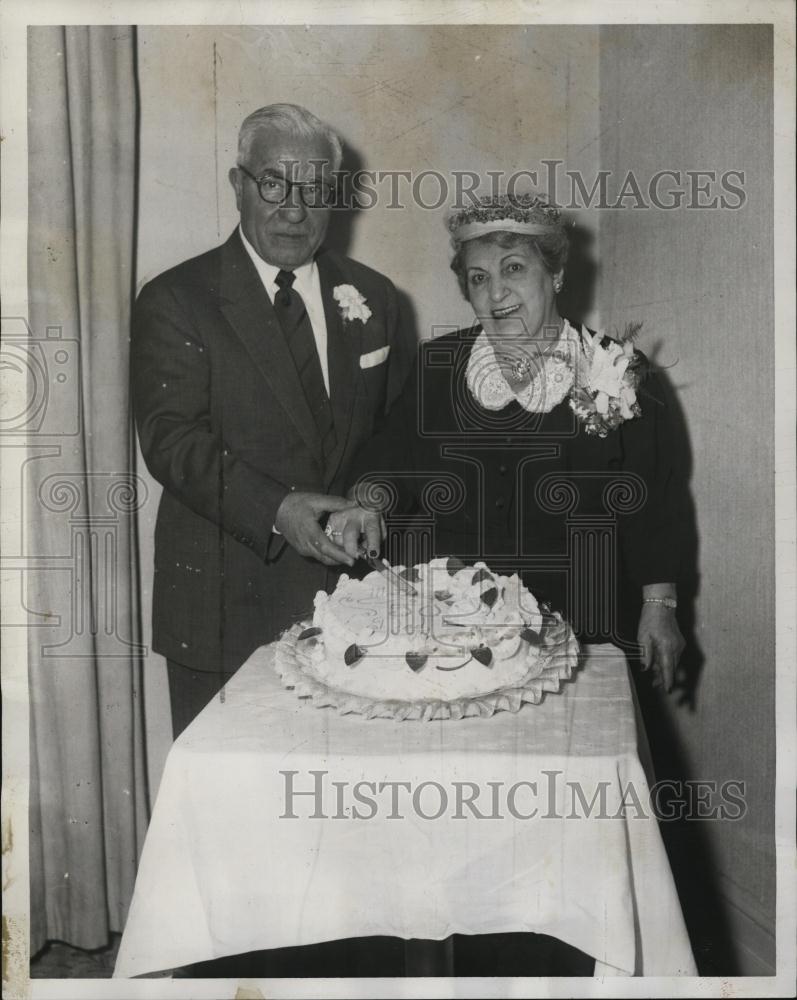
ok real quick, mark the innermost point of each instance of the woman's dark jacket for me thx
(585, 520)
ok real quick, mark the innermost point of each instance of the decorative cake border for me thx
(560, 657)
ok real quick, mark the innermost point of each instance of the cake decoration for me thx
(461, 641)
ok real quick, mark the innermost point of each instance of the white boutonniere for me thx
(606, 382)
(351, 303)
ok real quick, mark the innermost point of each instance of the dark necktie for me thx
(292, 315)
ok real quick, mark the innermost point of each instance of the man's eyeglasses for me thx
(275, 189)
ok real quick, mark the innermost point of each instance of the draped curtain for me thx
(88, 795)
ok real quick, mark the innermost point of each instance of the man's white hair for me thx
(292, 120)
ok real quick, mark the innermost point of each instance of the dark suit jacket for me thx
(225, 428)
(586, 521)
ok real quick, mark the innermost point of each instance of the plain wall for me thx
(441, 99)
(700, 98)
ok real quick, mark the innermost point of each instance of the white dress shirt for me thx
(308, 285)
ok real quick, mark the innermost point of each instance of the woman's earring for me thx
(557, 285)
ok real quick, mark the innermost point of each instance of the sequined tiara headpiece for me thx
(520, 213)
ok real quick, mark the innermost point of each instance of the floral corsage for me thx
(351, 303)
(606, 381)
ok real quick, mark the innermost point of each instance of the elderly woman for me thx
(535, 445)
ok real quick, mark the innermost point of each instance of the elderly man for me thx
(259, 368)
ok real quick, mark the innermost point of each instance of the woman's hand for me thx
(661, 641)
(356, 529)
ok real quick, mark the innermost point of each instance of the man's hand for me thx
(298, 519)
(661, 641)
(357, 529)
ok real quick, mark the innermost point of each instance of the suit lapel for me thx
(246, 306)
(343, 357)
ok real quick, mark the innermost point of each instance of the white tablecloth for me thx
(224, 871)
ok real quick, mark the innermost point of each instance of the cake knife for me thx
(383, 566)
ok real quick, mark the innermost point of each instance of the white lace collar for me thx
(548, 386)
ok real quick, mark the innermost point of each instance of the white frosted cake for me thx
(446, 640)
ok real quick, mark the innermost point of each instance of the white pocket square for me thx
(374, 358)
